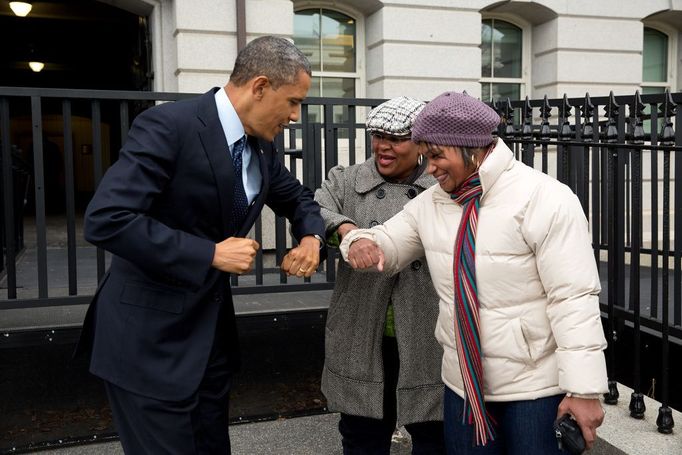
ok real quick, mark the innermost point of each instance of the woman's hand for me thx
(588, 413)
(364, 253)
(344, 229)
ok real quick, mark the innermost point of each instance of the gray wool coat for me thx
(352, 379)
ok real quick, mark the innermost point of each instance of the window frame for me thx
(671, 72)
(526, 42)
(359, 74)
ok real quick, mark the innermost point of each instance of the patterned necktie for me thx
(467, 326)
(240, 204)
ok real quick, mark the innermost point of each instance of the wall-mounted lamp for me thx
(21, 8)
(36, 66)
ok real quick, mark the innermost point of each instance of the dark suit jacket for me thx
(159, 210)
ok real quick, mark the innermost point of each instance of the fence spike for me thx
(668, 110)
(636, 122)
(587, 113)
(565, 112)
(527, 131)
(545, 114)
(509, 119)
(612, 113)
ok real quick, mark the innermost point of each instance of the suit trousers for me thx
(196, 425)
(368, 436)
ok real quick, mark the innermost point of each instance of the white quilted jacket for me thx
(537, 280)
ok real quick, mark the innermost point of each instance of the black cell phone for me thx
(568, 435)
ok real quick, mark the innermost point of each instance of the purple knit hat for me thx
(456, 119)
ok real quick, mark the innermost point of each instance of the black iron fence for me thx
(70, 137)
(619, 154)
(622, 157)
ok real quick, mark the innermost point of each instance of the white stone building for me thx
(380, 49)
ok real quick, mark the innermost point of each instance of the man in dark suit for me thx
(190, 181)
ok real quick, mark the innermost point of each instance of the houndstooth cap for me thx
(394, 117)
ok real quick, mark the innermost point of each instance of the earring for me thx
(420, 159)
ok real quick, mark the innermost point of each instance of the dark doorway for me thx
(85, 44)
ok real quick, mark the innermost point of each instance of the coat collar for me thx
(369, 178)
(499, 160)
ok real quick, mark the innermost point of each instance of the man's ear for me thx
(258, 84)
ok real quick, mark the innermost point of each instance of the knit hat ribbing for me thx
(456, 119)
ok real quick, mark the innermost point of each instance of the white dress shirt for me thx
(234, 130)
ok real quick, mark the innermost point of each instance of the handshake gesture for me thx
(236, 255)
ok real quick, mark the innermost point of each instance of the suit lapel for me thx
(215, 145)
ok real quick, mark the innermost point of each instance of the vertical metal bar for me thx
(597, 219)
(280, 222)
(665, 422)
(611, 136)
(677, 292)
(259, 254)
(564, 134)
(124, 118)
(604, 154)
(527, 134)
(653, 311)
(637, 406)
(41, 234)
(351, 137)
(8, 201)
(590, 134)
(545, 132)
(70, 183)
(620, 212)
(580, 166)
(329, 144)
(665, 307)
(97, 168)
(368, 144)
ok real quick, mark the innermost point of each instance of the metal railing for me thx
(619, 154)
(309, 149)
(607, 150)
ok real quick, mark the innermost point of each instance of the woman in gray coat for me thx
(382, 361)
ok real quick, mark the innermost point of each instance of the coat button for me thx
(381, 193)
(412, 193)
(416, 265)
(373, 223)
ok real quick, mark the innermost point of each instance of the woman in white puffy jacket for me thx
(510, 257)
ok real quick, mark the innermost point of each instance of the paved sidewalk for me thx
(313, 435)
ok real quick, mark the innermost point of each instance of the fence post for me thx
(637, 406)
(611, 137)
(664, 421)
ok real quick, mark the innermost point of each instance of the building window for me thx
(501, 60)
(328, 39)
(655, 62)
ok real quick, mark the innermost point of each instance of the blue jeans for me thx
(522, 427)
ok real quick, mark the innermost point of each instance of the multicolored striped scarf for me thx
(467, 326)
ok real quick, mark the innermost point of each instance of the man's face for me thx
(275, 108)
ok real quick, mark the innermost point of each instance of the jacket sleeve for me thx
(398, 238)
(556, 230)
(287, 197)
(330, 196)
(117, 218)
